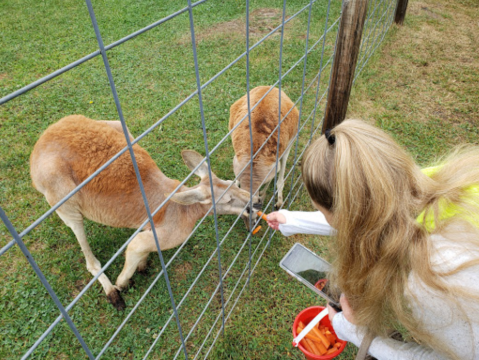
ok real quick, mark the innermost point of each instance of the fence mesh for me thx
(184, 303)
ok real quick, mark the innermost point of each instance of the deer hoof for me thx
(116, 300)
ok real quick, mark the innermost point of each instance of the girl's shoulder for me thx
(448, 253)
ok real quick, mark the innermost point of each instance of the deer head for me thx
(233, 201)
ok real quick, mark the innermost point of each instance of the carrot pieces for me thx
(316, 349)
(263, 216)
(307, 345)
(256, 230)
(320, 340)
(323, 338)
(332, 350)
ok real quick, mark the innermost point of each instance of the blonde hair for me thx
(375, 192)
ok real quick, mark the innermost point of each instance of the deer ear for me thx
(192, 159)
(190, 197)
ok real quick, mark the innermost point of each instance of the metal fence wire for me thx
(198, 310)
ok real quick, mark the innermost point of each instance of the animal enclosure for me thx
(169, 72)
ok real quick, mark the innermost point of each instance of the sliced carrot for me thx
(307, 345)
(322, 349)
(323, 338)
(332, 350)
(332, 339)
(256, 230)
(309, 335)
(314, 346)
(337, 345)
(313, 337)
(263, 216)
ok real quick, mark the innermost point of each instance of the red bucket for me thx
(306, 316)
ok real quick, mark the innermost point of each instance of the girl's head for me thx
(363, 170)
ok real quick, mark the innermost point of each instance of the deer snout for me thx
(257, 204)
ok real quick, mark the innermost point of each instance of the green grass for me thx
(153, 73)
(407, 89)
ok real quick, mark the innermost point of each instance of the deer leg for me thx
(282, 170)
(262, 192)
(136, 256)
(73, 219)
(142, 265)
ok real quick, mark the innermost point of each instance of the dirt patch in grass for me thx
(182, 270)
(261, 22)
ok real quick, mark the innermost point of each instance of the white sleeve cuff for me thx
(347, 331)
(382, 348)
(304, 222)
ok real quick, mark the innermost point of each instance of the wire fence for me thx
(201, 306)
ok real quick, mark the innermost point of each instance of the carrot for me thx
(337, 344)
(322, 349)
(299, 329)
(317, 341)
(256, 230)
(323, 338)
(307, 346)
(331, 338)
(309, 335)
(313, 337)
(263, 216)
(332, 350)
(314, 346)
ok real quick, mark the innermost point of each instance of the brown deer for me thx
(73, 148)
(264, 120)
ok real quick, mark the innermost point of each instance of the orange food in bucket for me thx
(313, 345)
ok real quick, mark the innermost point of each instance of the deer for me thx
(73, 148)
(264, 120)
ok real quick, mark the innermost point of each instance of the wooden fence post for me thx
(400, 12)
(345, 58)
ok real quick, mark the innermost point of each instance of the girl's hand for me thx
(331, 313)
(347, 311)
(275, 219)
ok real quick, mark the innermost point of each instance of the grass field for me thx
(421, 86)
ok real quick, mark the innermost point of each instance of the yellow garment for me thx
(447, 210)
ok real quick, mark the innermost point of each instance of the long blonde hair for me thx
(375, 192)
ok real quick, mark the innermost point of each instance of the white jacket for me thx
(438, 317)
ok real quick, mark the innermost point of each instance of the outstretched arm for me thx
(299, 222)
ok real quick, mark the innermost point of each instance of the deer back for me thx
(70, 150)
(264, 120)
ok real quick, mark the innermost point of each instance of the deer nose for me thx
(258, 206)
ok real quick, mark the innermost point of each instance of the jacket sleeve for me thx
(303, 222)
(383, 348)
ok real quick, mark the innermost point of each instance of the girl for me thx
(406, 244)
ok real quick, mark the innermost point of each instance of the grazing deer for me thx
(264, 120)
(73, 148)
